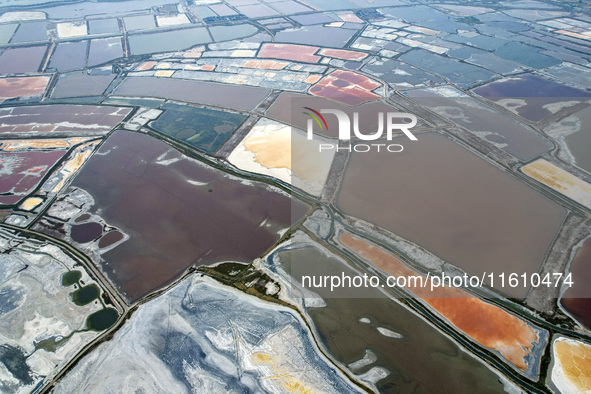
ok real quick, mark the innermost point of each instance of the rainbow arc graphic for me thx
(317, 117)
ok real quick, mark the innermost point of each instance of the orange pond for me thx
(265, 64)
(346, 87)
(22, 87)
(485, 323)
(342, 54)
(298, 53)
(146, 66)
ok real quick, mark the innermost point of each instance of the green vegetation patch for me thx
(245, 278)
(51, 344)
(205, 129)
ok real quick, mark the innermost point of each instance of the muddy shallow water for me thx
(420, 360)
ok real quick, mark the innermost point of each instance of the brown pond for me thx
(577, 299)
(61, 117)
(21, 172)
(22, 87)
(82, 218)
(177, 211)
(454, 204)
(110, 238)
(86, 232)
(237, 97)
